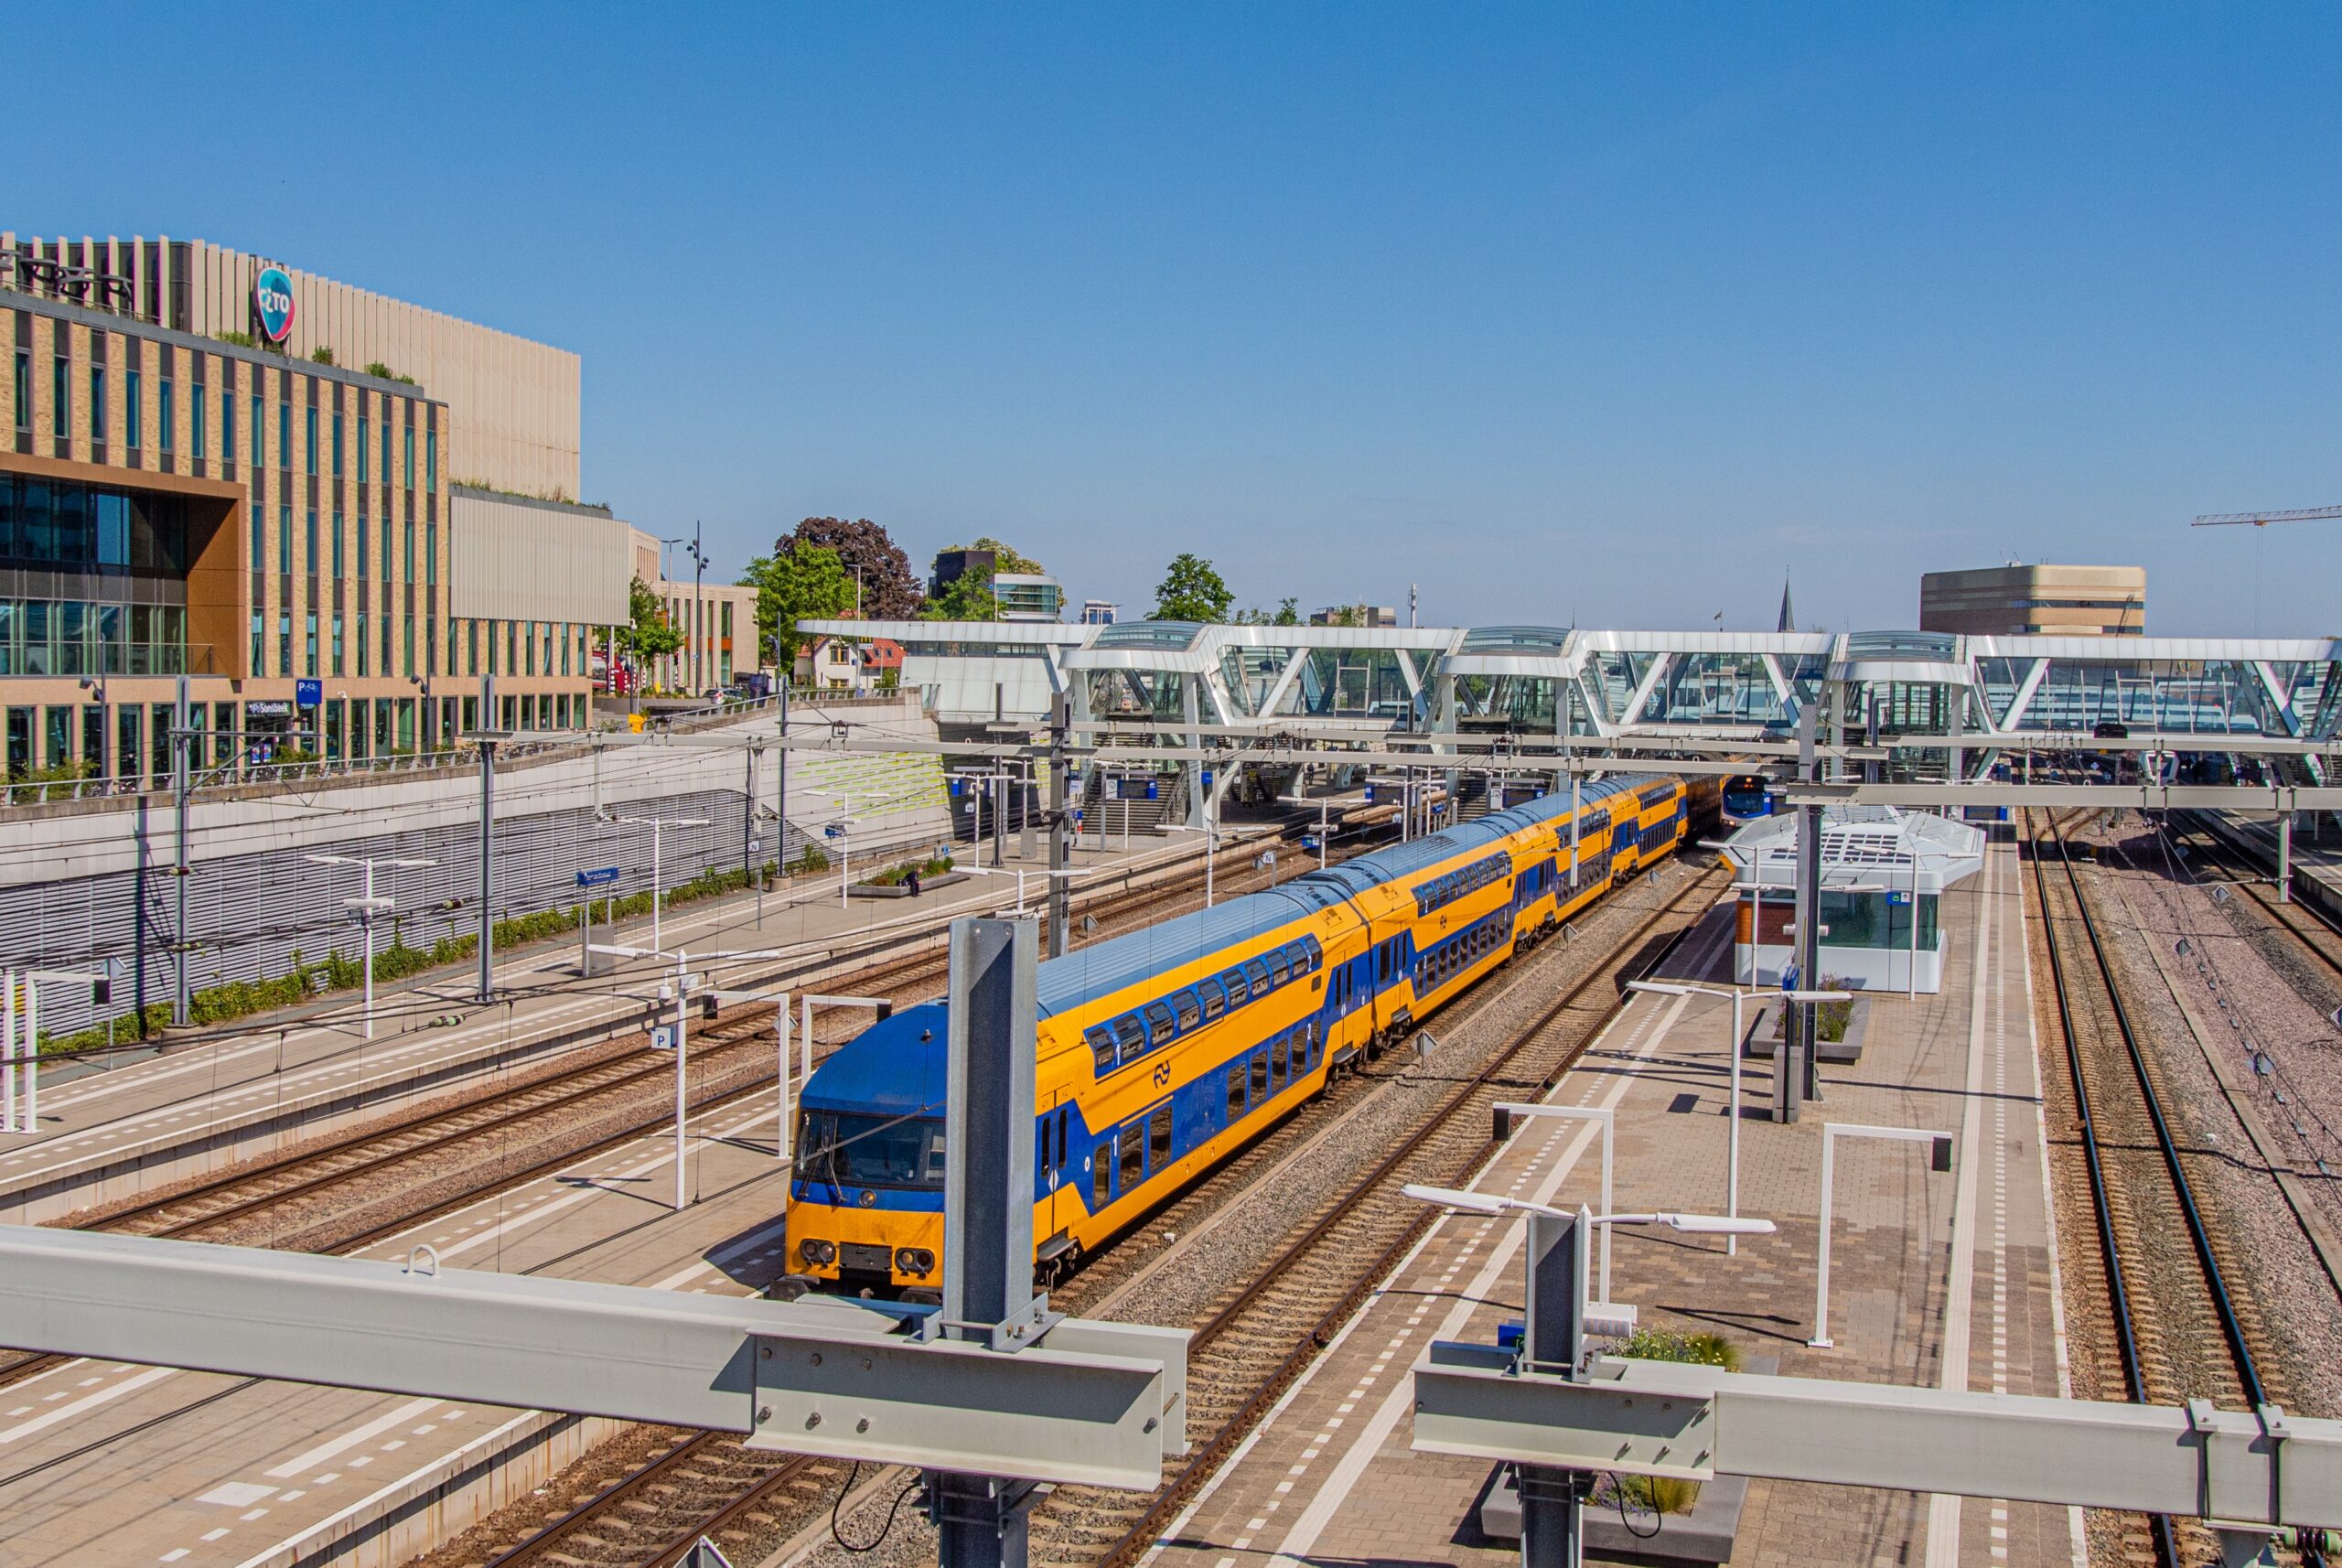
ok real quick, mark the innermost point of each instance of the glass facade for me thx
(79, 637)
(53, 525)
(94, 578)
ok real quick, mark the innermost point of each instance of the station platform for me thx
(107, 1464)
(277, 1080)
(1937, 1280)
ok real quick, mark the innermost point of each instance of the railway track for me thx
(702, 1484)
(2180, 1327)
(1308, 1276)
(2312, 930)
(437, 1159)
(1258, 1340)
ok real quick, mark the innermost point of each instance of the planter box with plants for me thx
(894, 881)
(1842, 1027)
(1646, 1519)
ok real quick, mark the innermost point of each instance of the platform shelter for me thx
(1884, 873)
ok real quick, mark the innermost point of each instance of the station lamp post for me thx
(844, 839)
(1325, 807)
(658, 826)
(1732, 1157)
(675, 1037)
(1939, 1160)
(1559, 1316)
(363, 911)
(20, 1051)
(1020, 872)
(1211, 849)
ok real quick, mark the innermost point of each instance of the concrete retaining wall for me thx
(92, 883)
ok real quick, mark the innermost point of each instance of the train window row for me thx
(1657, 795)
(1593, 850)
(1255, 1079)
(1447, 889)
(1147, 1144)
(1124, 1039)
(1659, 835)
(1460, 952)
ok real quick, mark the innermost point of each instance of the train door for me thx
(1056, 1170)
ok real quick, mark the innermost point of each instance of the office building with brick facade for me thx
(215, 468)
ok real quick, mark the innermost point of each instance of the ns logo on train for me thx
(272, 304)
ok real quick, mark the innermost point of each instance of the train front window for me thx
(853, 1150)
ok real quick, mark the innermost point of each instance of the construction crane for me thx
(2263, 519)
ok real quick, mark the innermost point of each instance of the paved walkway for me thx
(1928, 1272)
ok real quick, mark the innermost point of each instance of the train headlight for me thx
(914, 1261)
(817, 1251)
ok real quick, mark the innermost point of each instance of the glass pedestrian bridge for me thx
(1973, 695)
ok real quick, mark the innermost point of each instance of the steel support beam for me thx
(2139, 797)
(811, 1376)
(1657, 1418)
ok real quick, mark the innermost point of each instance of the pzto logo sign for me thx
(272, 304)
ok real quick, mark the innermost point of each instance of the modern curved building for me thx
(216, 467)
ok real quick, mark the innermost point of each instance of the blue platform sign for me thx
(308, 694)
(1897, 897)
(601, 878)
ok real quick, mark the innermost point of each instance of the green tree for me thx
(1191, 589)
(969, 597)
(1005, 557)
(809, 583)
(647, 634)
(889, 592)
(1285, 614)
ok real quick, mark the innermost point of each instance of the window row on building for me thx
(133, 740)
(93, 394)
(285, 642)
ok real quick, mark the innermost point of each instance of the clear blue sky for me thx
(1562, 312)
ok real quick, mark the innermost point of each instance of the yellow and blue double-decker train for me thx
(1164, 1051)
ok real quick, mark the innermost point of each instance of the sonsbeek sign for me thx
(272, 304)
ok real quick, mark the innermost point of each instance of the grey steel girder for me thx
(1098, 1405)
(1664, 1419)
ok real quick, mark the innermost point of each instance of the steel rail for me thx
(2232, 855)
(1204, 1461)
(2231, 1326)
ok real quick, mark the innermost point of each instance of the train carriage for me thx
(1163, 1051)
